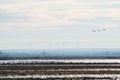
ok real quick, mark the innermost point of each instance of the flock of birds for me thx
(99, 30)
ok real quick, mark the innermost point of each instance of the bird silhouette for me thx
(93, 30)
(104, 29)
(98, 30)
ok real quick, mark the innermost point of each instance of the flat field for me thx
(60, 71)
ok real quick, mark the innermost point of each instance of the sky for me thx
(42, 24)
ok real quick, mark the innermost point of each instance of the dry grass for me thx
(45, 69)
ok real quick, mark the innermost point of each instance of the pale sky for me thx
(59, 24)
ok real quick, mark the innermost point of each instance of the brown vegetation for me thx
(60, 69)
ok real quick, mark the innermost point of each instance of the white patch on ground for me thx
(60, 61)
(64, 76)
(103, 69)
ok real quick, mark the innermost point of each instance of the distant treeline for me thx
(60, 54)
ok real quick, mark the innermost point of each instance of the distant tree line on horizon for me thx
(59, 55)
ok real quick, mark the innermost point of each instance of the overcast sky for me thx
(59, 23)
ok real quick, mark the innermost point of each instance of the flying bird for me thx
(99, 30)
(104, 29)
(93, 30)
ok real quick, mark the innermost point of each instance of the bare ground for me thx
(59, 69)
